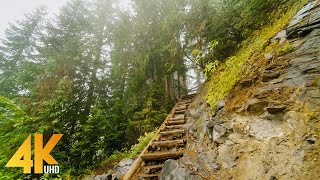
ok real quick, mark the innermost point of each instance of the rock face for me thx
(306, 20)
(273, 130)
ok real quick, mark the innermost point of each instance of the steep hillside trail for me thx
(168, 143)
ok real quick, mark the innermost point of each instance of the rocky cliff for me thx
(268, 126)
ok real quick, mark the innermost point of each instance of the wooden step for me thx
(177, 118)
(169, 144)
(180, 112)
(178, 131)
(175, 122)
(181, 107)
(161, 156)
(174, 127)
(142, 175)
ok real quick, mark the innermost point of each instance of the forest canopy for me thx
(103, 75)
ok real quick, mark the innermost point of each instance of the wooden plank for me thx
(174, 127)
(161, 156)
(177, 118)
(181, 107)
(180, 112)
(178, 131)
(169, 144)
(175, 122)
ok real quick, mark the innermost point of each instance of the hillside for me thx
(267, 124)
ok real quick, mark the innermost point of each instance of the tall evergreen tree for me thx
(20, 56)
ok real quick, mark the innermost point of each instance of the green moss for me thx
(228, 73)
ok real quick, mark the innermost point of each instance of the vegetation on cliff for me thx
(228, 73)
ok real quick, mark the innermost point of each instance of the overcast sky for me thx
(11, 10)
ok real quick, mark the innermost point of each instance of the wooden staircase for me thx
(168, 143)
